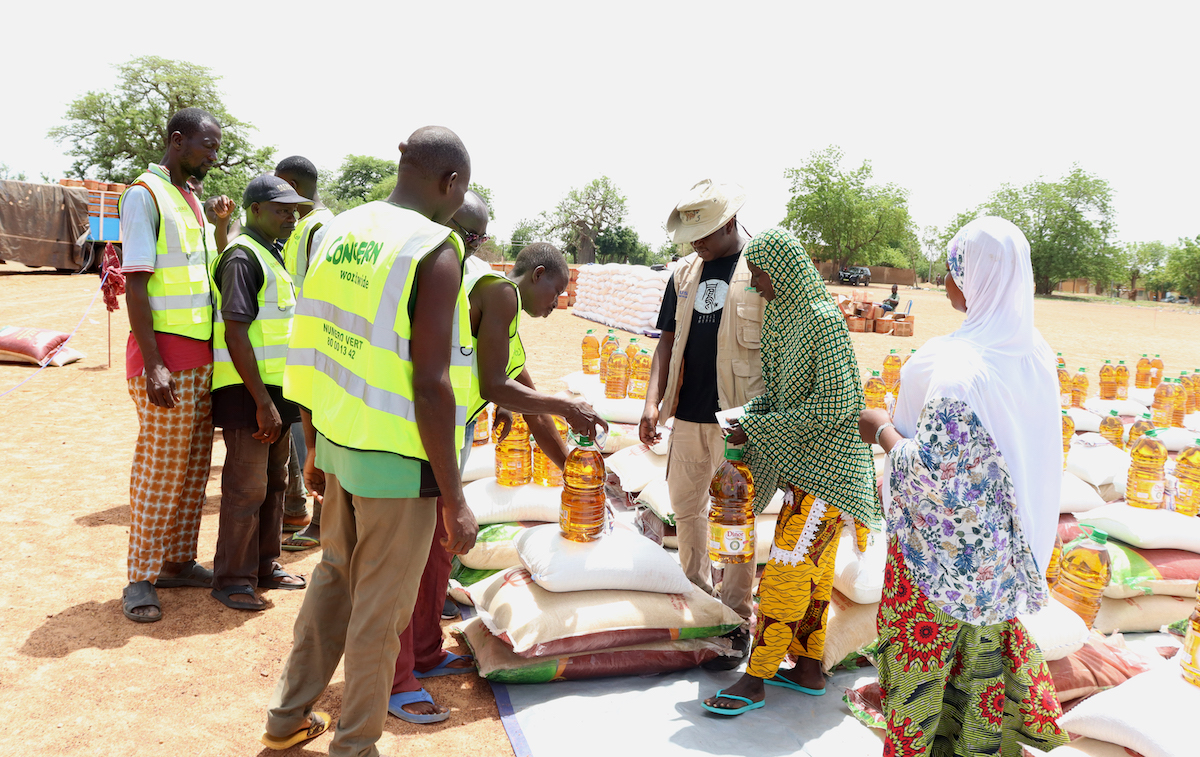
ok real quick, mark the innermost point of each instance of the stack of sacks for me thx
(615, 606)
(621, 296)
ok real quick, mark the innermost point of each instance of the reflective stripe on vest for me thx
(350, 357)
(271, 329)
(296, 263)
(178, 290)
(516, 348)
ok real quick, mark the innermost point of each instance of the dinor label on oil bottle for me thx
(593, 365)
(731, 541)
(1189, 660)
(1065, 399)
(1146, 491)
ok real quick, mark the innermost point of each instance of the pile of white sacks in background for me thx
(620, 296)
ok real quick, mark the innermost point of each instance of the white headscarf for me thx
(1000, 365)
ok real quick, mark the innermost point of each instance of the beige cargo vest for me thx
(739, 369)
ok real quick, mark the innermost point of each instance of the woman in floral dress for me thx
(971, 503)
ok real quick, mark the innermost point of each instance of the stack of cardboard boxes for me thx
(864, 315)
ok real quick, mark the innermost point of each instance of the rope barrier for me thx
(50, 357)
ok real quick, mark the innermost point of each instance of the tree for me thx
(1068, 223)
(114, 134)
(357, 178)
(526, 232)
(1142, 261)
(842, 211)
(7, 174)
(486, 194)
(583, 216)
(1183, 268)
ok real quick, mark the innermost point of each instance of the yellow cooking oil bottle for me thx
(482, 431)
(874, 391)
(1062, 363)
(1141, 378)
(632, 348)
(1108, 381)
(1079, 388)
(1187, 470)
(891, 372)
(911, 352)
(1181, 397)
(1064, 386)
(1068, 428)
(581, 516)
(1195, 399)
(1054, 571)
(545, 472)
(639, 374)
(1113, 430)
(513, 464)
(1122, 380)
(1163, 409)
(1156, 370)
(1085, 573)
(1139, 427)
(611, 343)
(1147, 479)
(1189, 658)
(591, 353)
(616, 380)
(731, 537)
(1188, 382)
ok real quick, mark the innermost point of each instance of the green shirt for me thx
(383, 475)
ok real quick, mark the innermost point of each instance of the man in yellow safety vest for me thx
(168, 361)
(252, 323)
(380, 364)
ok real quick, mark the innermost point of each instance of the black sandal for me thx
(193, 574)
(140, 594)
(225, 597)
(276, 580)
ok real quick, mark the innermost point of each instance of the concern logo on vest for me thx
(352, 252)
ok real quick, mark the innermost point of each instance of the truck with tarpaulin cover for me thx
(63, 226)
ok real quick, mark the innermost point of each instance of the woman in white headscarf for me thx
(971, 503)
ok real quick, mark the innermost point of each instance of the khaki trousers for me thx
(696, 449)
(359, 599)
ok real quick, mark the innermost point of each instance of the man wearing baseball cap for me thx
(252, 322)
(706, 361)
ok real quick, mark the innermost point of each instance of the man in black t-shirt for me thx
(706, 361)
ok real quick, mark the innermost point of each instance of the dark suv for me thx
(855, 275)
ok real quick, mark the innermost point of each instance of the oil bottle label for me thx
(1066, 399)
(637, 388)
(1122, 392)
(735, 541)
(1146, 491)
(592, 365)
(1189, 660)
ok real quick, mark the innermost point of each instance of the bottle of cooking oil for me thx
(513, 463)
(632, 348)
(591, 353)
(1064, 386)
(1147, 479)
(1108, 381)
(874, 390)
(731, 515)
(482, 432)
(1187, 382)
(1054, 571)
(1122, 380)
(1163, 409)
(545, 472)
(891, 372)
(611, 343)
(1139, 427)
(1061, 362)
(581, 516)
(1180, 402)
(1195, 398)
(616, 379)
(906, 357)
(1156, 370)
(1141, 378)
(1068, 429)
(1187, 470)
(1079, 388)
(1113, 430)
(1086, 571)
(639, 374)
(1189, 658)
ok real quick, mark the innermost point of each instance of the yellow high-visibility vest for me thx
(349, 360)
(180, 297)
(516, 348)
(295, 261)
(271, 329)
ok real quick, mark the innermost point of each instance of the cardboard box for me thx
(878, 312)
(883, 325)
(903, 328)
(869, 325)
(856, 323)
(562, 302)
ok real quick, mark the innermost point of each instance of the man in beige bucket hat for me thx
(706, 361)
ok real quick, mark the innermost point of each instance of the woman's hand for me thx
(869, 421)
(736, 434)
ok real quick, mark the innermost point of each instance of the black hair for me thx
(189, 121)
(542, 254)
(299, 167)
(435, 151)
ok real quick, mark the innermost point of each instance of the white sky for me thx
(948, 100)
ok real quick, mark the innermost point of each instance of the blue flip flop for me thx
(443, 670)
(777, 680)
(396, 704)
(750, 705)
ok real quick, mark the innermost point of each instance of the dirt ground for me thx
(77, 678)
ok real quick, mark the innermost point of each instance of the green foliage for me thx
(1183, 268)
(1069, 224)
(486, 194)
(526, 232)
(1145, 261)
(7, 174)
(622, 245)
(114, 134)
(888, 256)
(842, 211)
(361, 178)
(583, 216)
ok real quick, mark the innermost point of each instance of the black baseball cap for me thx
(268, 187)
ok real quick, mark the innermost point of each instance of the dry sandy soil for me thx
(77, 678)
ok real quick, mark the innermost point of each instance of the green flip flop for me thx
(299, 543)
(779, 680)
(750, 705)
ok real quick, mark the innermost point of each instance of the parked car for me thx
(855, 274)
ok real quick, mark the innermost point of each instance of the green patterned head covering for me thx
(804, 430)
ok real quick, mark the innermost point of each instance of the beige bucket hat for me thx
(706, 208)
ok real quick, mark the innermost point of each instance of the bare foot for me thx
(747, 686)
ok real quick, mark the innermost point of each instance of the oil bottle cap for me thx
(581, 441)
(1082, 369)
(1108, 362)
(1145, 416)
(591, 331)
(643, 351)
(733, 453)
(633, 339)
(1120, 362)
(912, 351)
(893, 352)
(874, 373)
(1157, 355)
(1060, 354)
(1183, 373)
(1113, 413)
(1100, 537)
(1153, 433)
(1144, 354)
